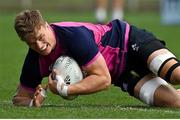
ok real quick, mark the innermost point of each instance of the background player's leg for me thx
(117, 9)
(101, 10)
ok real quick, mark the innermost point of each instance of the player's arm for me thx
(26, 97)
(23, 96)
(30, 77)
(98, 79)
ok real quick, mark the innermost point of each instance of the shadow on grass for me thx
(97, 106)
(141, 107)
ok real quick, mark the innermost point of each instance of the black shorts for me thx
(141, 45)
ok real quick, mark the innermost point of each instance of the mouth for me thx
(44, 48)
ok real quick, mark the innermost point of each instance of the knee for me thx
(167, 96)
(172, 104)
(176, 104)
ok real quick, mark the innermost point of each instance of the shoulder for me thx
(78, 41)
(71, 31)
(31, 56)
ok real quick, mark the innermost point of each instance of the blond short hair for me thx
(27, 23)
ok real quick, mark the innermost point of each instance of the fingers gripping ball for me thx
(68, 72)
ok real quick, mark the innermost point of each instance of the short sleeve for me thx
(80, 43)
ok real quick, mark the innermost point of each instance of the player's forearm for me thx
(21, 101)
(90, 84)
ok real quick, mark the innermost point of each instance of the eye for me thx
(42, 38)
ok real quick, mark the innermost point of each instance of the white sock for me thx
(101, 14)
(117, 14)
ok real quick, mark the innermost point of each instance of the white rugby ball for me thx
(69, 70)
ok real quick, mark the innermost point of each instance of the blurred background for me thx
(74, 5)
(81, 7)
(168, 10)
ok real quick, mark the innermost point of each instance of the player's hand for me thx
(39, 95)
(52, 82)
(57, 85)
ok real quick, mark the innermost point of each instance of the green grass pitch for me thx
(107, 104)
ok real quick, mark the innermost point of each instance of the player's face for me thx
(44, 42)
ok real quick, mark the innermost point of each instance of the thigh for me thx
(141, 45)
(163, 95)
(165, 64)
